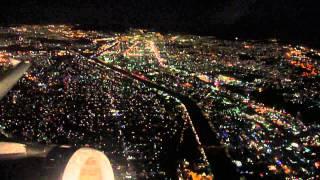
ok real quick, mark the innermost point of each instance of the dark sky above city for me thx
(285, 19)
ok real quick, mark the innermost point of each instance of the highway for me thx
(216, 154)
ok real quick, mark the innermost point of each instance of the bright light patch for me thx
(12, 148)
(87, 163)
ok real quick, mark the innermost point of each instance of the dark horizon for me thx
(248, 19)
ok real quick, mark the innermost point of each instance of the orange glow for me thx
(4, 59)
(272, 168)
(204, 78)
(278, 122)
(30, 77)
(162, 62)
(90, 170)
(248, 46)
(62, 53)
(196, 176)
(131, 48)
(226, 79)
(303, 62)
(286, 169)
(229, 64)
(186, 85)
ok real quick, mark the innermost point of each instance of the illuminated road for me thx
(205, 135)
(203, 128)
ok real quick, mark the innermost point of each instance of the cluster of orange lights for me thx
(162, 62)
(4, 59)
(303, 62)
(186, 85)
(204, 78)
(67, 31)
(74, 34)
(196, 176)
(130, 51)
(286, 169)
(278, 122)
(317, 164)
(247, 46)
(104, 49)
(62, 53)
(262, 109)
(30, 77)
(311, 70)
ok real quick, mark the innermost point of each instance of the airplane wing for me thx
(11, 77)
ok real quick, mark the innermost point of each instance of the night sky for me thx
(284, 19)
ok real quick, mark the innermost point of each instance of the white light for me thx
(87, 163)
